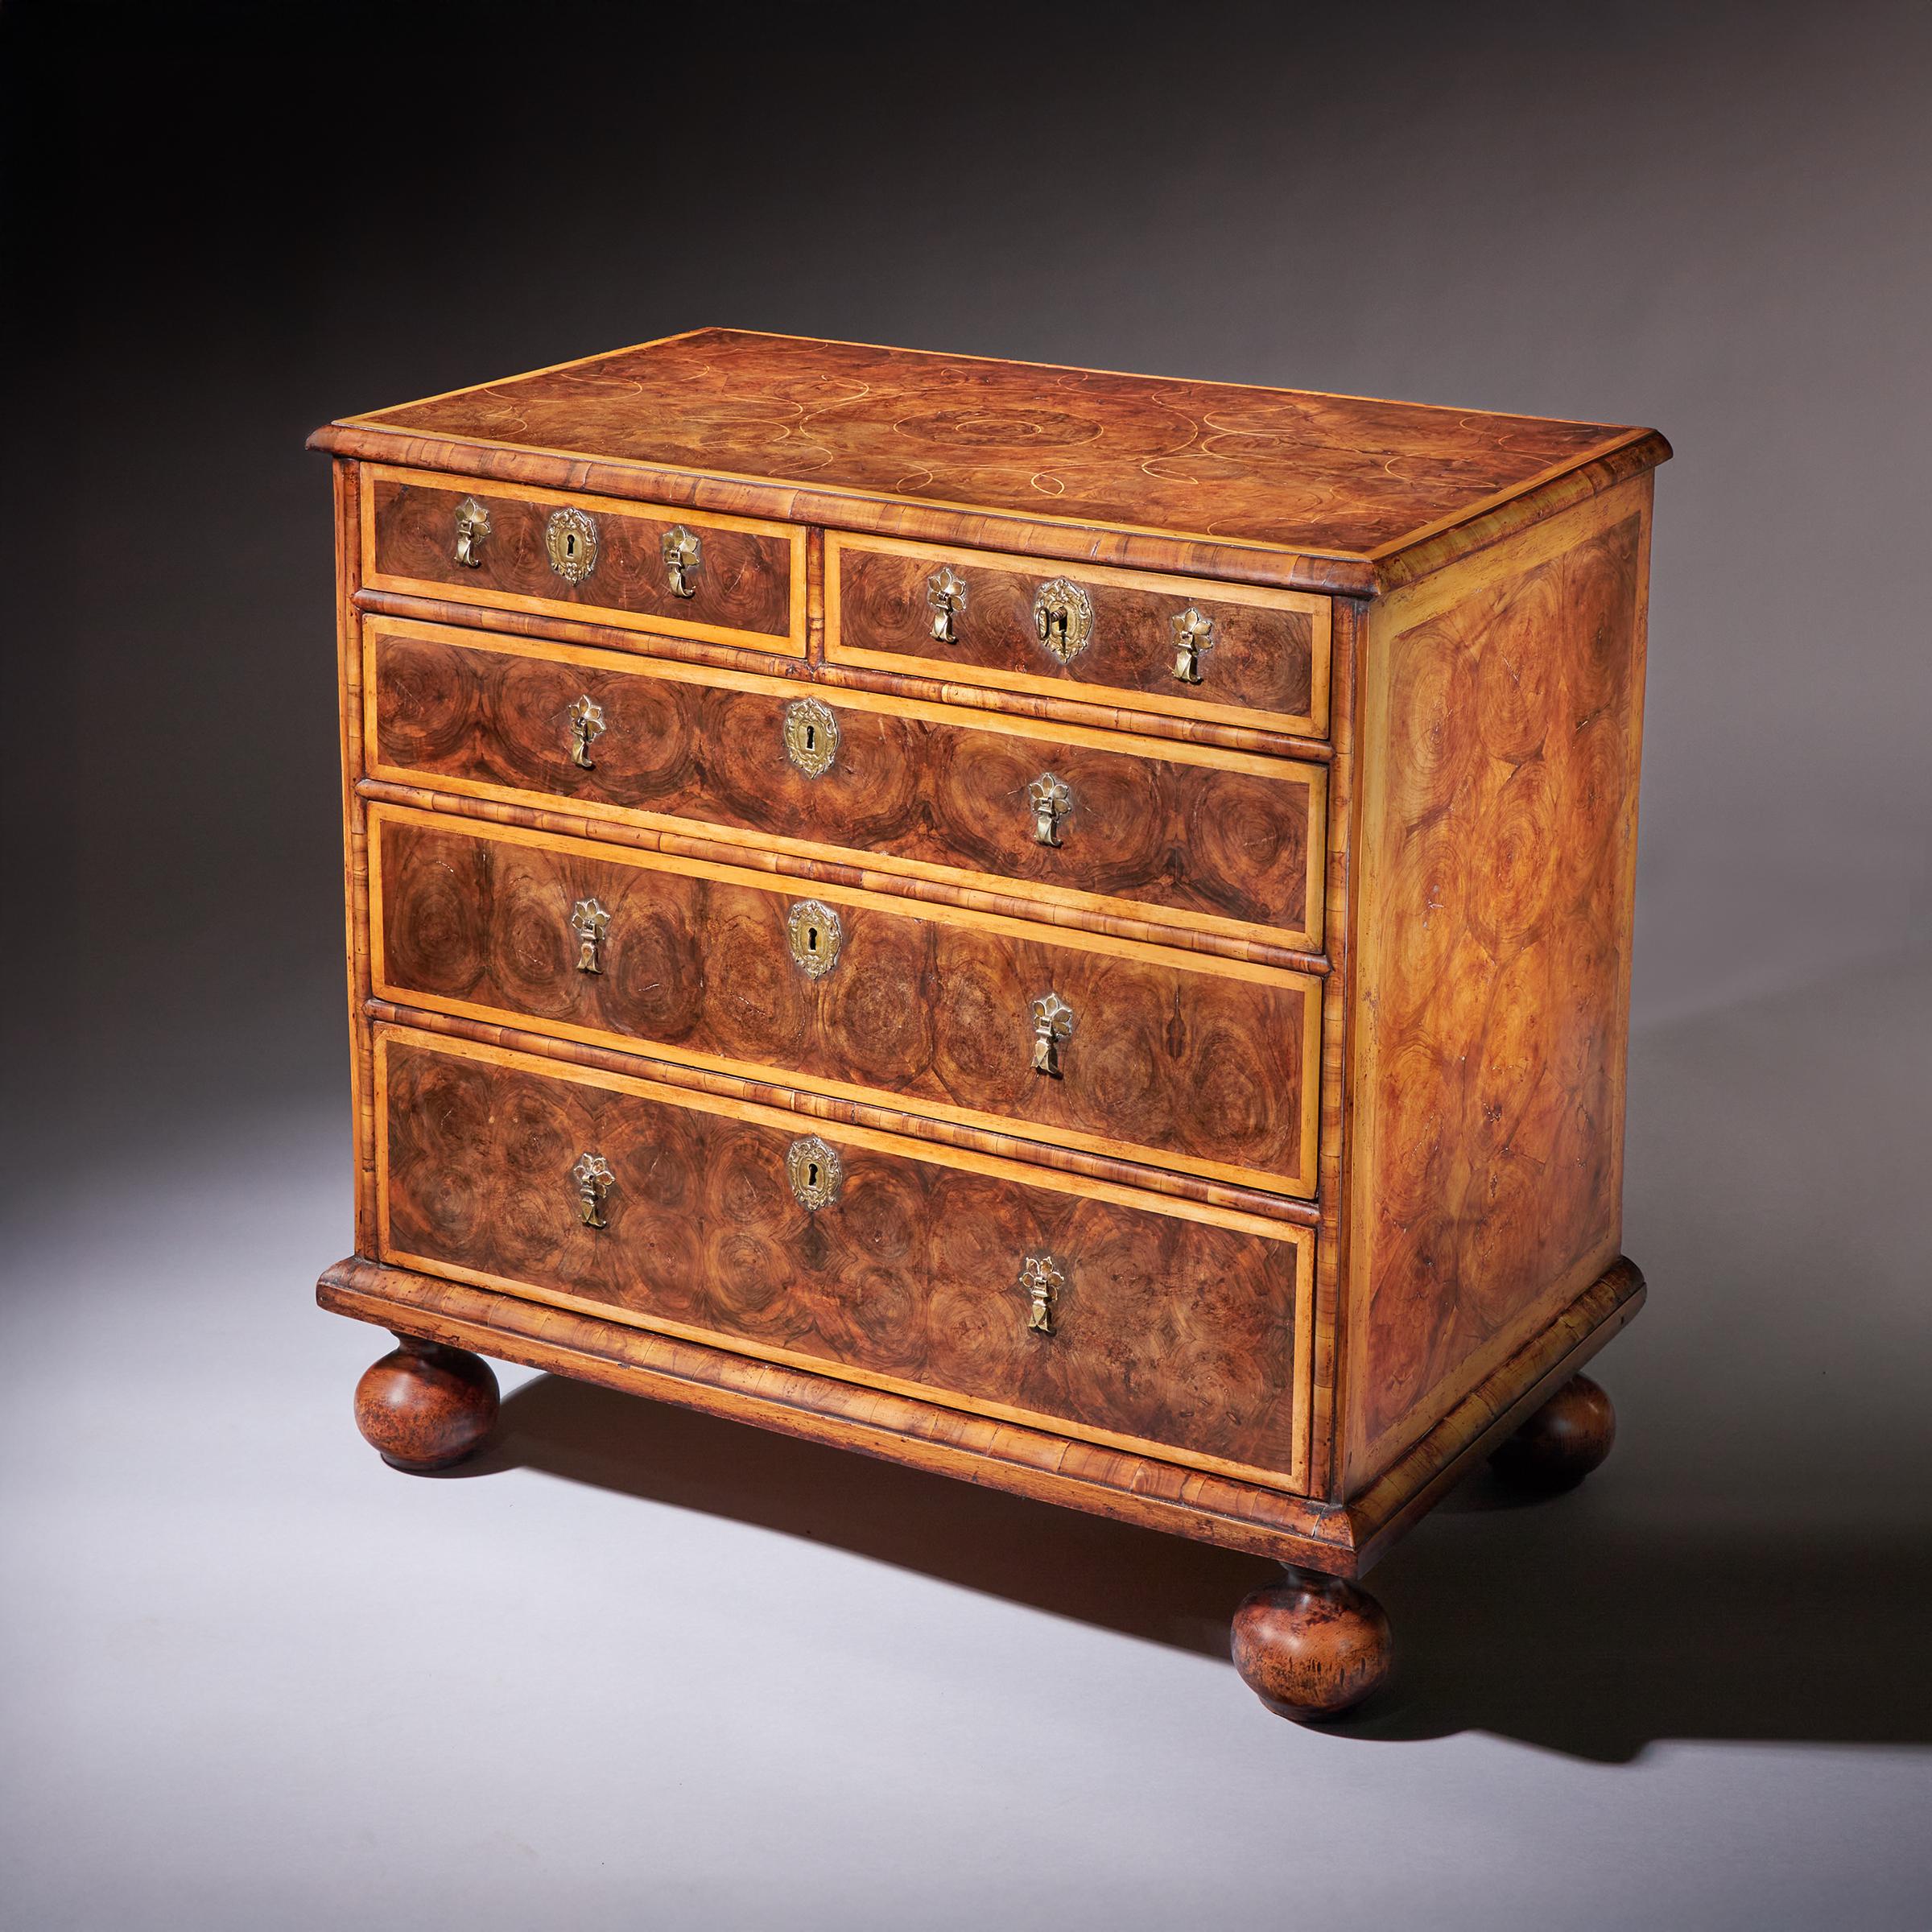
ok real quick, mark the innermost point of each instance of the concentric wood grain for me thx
(1308, 471)
(1172, 1331)
(744, 589)
(1268, 664)
(1494, 964)
(1227, 840)
(1212, 1070)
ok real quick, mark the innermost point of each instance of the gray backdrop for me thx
(227, 225)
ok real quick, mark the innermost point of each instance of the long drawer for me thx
(732, 580)
(928, 1271)
(1210, 839)
(1179, 646)
(1203, 1065)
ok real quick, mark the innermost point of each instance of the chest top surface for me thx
(1339, 476)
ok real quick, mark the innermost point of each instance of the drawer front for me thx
(1022, 624)
(729, 579)
(1207, 838)
(1136, 1326)
(1210, 1069)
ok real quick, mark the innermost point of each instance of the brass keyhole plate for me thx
(813, 930)
(811, 735)
(1062, 617)
(814, 1170)
(571, 538)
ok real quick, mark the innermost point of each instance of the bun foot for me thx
(1310, 1646)
(1568, 1437)
(425, 1406)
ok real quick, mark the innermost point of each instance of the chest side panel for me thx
(1502, 717)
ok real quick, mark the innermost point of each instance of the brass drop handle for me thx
(586, 722)
(594, 1181)
(1193, 633)
(1062, 617)
(1052, 799)
(1041, 1279)
(683, 554)
(472, 527)
(589, 922)
(1052, 1023)
(945, 593)
(814, 1170)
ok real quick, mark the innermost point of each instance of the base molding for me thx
(1333, 1539)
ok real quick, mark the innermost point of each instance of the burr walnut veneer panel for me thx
(1341, 476)
(1198, 839)
(1175, 1330)
(1211, 1070)
(1500, 835)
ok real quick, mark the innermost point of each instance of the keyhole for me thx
(812, 738)
(811, 938)
(570, 545)
(812, 1173)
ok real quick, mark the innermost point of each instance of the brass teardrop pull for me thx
(586, 722)
(594, 1181)
(472, 527)
(1041, 1281)
(1052, 1023)
(589, 922)
(1052, 799)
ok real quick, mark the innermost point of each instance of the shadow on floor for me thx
(1557, 1624)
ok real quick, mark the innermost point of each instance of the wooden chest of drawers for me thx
(1066, 929)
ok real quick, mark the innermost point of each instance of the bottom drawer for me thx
(930, 1271)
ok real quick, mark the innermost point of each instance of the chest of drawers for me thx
(1068, 929)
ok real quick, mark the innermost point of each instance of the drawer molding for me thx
(1299, 1242)
(1301, 1184)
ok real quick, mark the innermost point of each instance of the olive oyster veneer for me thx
(1068, 930)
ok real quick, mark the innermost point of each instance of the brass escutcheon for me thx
(594, 1181)
(811, 735)
(683, 554)
(1041, 1279)
(945, 593)
(472, 527)
(571, 538)
(1052, 1023)
(1052, 799)
(813, 929)
(814, 1170)
(1193, 633)
(586, 722)
(589, 921)
(1062, 617)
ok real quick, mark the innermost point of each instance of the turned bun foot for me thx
(1568, 1437)
(425, 1406)
(1310, 1646)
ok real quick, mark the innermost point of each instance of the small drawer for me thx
(1185, 835)
(860, 1254)
(1176, 646)
(730, 580)
(1203, 1065)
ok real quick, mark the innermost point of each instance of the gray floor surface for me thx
(638, 1668)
